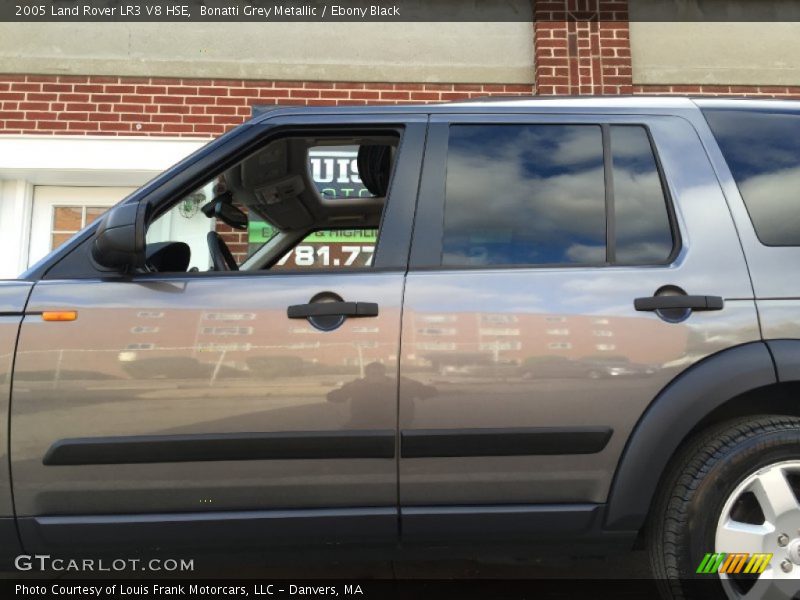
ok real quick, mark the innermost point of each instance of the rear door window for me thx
(541, 194)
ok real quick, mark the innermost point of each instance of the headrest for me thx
(169, 257)
(375, 168)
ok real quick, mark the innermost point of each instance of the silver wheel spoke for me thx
(774, 494)
(735, 537)
(777, 535)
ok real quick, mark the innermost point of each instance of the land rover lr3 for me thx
(522, 323)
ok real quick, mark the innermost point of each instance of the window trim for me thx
(428, 234)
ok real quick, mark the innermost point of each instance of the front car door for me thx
(190, 406)
(525, 365)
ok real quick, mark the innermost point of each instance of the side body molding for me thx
(671, 416)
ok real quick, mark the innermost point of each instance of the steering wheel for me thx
(221, 256)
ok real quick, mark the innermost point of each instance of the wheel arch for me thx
(723, 385)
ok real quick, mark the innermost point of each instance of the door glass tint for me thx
(763, 153)
(643, 233)
(524, 195)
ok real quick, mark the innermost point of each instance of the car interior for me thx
(276, 185)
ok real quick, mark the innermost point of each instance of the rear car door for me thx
(525, 364)
(192, 407)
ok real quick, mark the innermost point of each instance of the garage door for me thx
(60, 211)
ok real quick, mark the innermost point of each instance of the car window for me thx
(524, 195)
(256, 210)
(762, 150)
(527, 195)
(641, 221)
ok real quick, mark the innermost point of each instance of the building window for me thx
(437, 318)
(606, 347)
(224, 347)
(363, 329)
(69, 220)
(498, 319)
(150, 314)
(144, 329)
(436, 346)
(558, 332)
(603, 333)
(217, 316)
(436, 331)
(496, 346)
(226, 330)
(140, 346)
(498, 331)
(559, 346)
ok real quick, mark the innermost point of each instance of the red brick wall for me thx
(99, 105)
(582, 47)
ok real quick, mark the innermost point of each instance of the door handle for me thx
(679, 301)
(332, 309)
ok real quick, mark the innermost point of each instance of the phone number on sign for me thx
(328, 255)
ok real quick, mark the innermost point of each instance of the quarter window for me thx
(763, 153)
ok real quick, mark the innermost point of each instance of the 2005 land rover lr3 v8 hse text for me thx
(566, 323)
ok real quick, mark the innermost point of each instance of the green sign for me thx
(260, 232)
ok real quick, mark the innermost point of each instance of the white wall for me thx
(28, 161)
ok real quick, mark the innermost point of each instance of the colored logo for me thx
(739, 562)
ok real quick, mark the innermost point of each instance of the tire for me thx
(720, 470)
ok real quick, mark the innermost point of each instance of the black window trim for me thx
(428, 234)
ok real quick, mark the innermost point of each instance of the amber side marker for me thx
(59, 315)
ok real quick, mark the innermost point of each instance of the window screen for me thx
(524, 195)
(763, 152)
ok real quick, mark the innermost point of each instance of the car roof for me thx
(542, 103)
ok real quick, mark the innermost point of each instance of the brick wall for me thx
(582, 47)
(98, 105)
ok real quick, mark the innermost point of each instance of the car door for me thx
(192, 407)
(525, 363)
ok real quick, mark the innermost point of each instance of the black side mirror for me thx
(119, 242)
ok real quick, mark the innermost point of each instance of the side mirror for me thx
(119, 242)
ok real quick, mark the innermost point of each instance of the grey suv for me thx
(508, 324)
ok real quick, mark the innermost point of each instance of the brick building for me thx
(99, 109)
